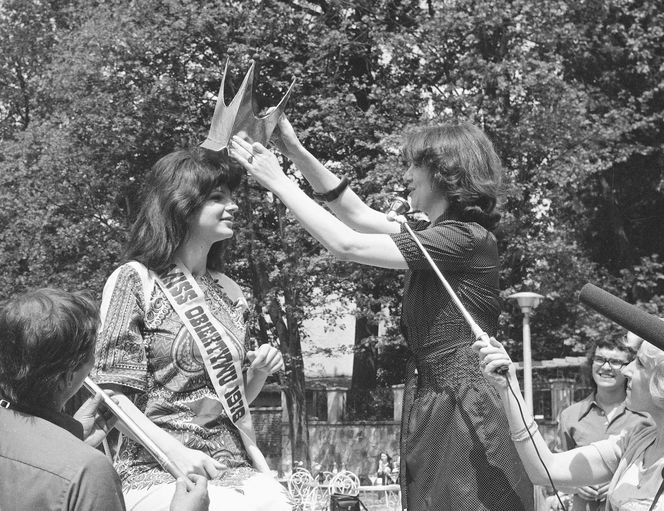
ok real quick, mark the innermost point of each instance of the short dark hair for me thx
(178, 184)
(610, 344)
(464, 165)
(43, 334)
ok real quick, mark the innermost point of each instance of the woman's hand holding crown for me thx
(260, 163)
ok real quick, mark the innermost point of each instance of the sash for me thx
(220, 355)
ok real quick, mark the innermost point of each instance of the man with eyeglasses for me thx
(602, 413)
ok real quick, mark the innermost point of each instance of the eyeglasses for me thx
(614, 363)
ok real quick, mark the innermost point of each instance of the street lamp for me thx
(527, 302)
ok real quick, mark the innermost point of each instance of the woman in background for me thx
(384, 469)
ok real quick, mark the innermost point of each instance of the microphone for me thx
(628, 316)
(398, 208)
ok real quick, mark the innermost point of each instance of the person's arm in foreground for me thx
(579, 467)
(349, 208)
(196, 499)
(190, 461)
(95, 425)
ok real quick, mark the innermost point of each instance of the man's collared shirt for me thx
(586, 422)
(45, 465)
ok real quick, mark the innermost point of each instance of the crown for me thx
(239, 117)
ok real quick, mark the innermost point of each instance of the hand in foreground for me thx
(285, 139)
(259, 162)
(594, 493)
(193, 461)
(96, 425)
(493, 357)
(196, 499)
(266, 359)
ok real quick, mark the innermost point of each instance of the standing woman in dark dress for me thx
(455, 450)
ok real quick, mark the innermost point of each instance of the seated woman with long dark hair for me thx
(174, 340)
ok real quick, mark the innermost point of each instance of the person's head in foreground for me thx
(47, 340)
(645, 381)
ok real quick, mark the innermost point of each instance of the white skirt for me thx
(261, 492)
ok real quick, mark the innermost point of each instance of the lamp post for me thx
(527, 302)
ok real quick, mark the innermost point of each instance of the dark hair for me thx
(464, 165)
(389, 458)
(178, 184)
(610, 344)
(43, 334)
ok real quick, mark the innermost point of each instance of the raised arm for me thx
(344, 242)
(348, 207)
(578, 467)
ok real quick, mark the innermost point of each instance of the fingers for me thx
(587, 492)
(268, 359)
(251, 356)
(246, 148)
(181, 485)
(495, 343)
(492, 367)
(200, 482)
(212, 468)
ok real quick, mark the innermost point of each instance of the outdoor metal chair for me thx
(301, 485)
(346, 483)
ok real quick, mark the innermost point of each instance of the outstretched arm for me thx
(344, 242)
(348, 207)
(579, 467)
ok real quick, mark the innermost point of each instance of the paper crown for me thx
(238, 118)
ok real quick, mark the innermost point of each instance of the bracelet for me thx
(333, 194)
(524, 433)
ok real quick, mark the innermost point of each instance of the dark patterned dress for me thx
(456, 453)
(146, 348)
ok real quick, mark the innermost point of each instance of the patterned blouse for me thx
(146, 348)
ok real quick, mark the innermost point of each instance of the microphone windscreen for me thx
(400, 206)
(646, 326)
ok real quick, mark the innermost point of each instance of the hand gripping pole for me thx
(140, 435)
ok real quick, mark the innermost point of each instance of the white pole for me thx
(527, 363)
(527, 302)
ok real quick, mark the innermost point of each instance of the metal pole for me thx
(140, 435)
(476, 329)
(527, 363)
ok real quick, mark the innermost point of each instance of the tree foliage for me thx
(571, 93)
